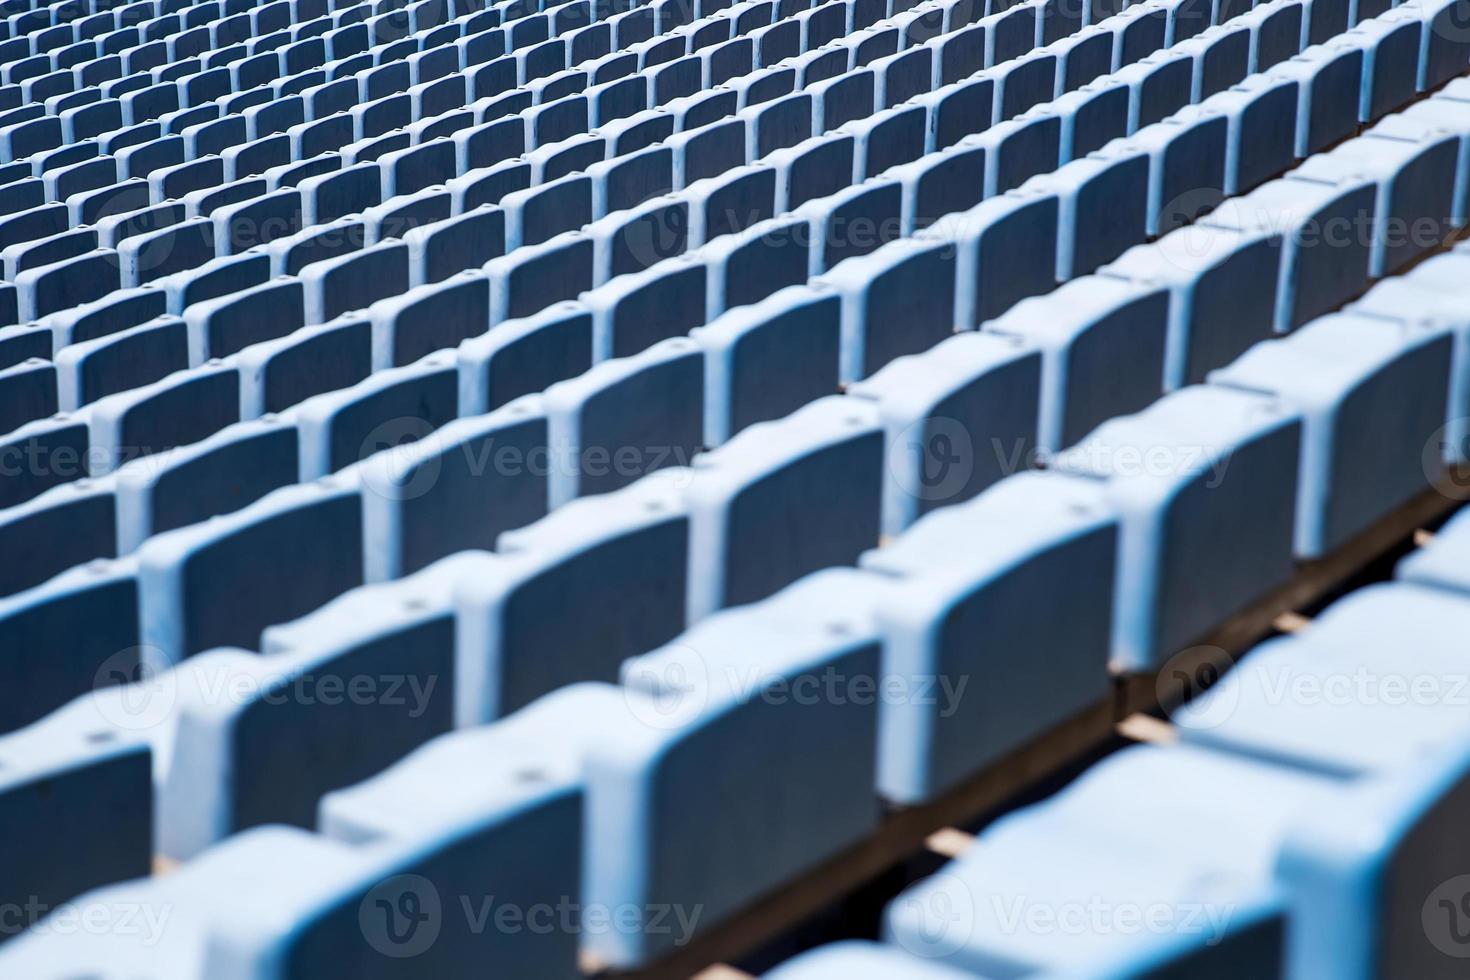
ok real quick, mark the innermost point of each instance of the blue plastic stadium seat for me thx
(1390, 43)
(300, 546)
(624, 418)
(1024, 897)
(1329, 80)
(428, 318)
(767, 360)
(387, 408)
(1077, 329)
(71, 635)
(1019, 149)
(633, 312)
(225, 772)
(517, 828)
(354, 281)
(963, 609)
(898, 300)
(1414, 166)
(28, 392)
(1223, 286)
(60, 773)
(1384, 636)
(1005, 251)
(129, 358)
(1324, 262)
(853, 221)
(1204, 470)
(276, 374)
(216, 475)
(181, 408)
(722, 690)
(532, 278)
(757, 482)
(602, 579)
(956, 419)
(1343, 371)
(458, 488)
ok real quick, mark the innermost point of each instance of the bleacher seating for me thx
(614, 463)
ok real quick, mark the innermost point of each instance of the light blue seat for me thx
(227, 324)
(1187, 155)
(599, 580)
(732, 201)
(276, 374)
(633, 312)
(181, 408)
(1374, 686)
(940, 184)
(1329, 82)
(1005, 251)
(316, 243)
(60, 445)
(1204, 470)
(219, 276)
(1189, 836)
(130, 358)
(513, 829)
(428, 318)
(1221, 56)
(1367, 388)
(624, 418)
(725, 690)
(1391, 44)
(528, 280)
(522, 356)
(1018, 149)
(1323, 264)
(1092, 116)
(1077, 328)
(68, 283)
(812, 168)
(219, 474)
(897, 300)
(1427, 295)
(1262, 115)
(60, 773)
(762, 259)
(393, 642)
(459, 487)
(116, 311)
(1414, 166)
(297, 547)
(28, 392)
(1158, 86)
(544, 211)
(397, 216)
(854, 221)
(73, 634)
(977, 621)
(766, 360)
(1103, 209)
(1223, 287)
(354, 281)
(757, 523)
(956, 419)
(387, 408)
